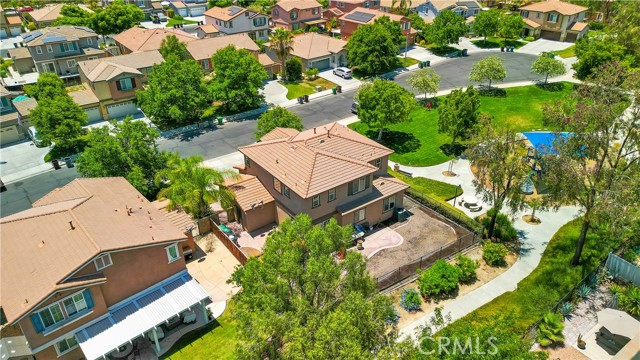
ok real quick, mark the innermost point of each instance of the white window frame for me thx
(331, 198)
(100, 262)
(315, 11)
(48, 308)
(70, 62)
(555, 17)
(359, 215)
(46, 70)
(167, 249)
(38, 50)
(378, 163)
(286, 191)
(525, 14)
(389, 203)
(359, 185)
(66, 340)
(293, 15)
(406, 25)
(315, 201)
(49, 49)
(89, 41)
(205, 64)
(123, 88)
(78, 304)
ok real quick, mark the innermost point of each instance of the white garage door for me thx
(9, 134)
(321, 64)
(93, 114)
(198, 11)
(122, 109)
(15, 31)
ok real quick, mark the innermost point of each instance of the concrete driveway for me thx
(349, 83)
(542, 45)
(275, 93)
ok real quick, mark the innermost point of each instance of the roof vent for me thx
(322, 141)
(71, 225)
(314, 130)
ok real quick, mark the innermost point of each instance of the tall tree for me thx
(281, 42)
(48, 86)
(59, 120)
(446, 28)
(393, 27)
(220, 3)
(371, 49)
(497, 154)
(191, 186)
(625, 27)
(237, 79)
(458, 113)
(490, 68)
(597, 165)
(116, 18)
(128, 149)
(382, 103)
(486, 23)
(175, 93)
(595, 51)
(274, 118)
(510, 26)
(546, 65)
(73, 15)
(425, 80)
(170, 45)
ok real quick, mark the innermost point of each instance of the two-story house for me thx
(114, 81)
(10, 24)
(555, 20)
(9, 118)
(327, 172)
(464, 8)
(145, 5)
(59, 49)
(46, 15)
(138, 39)
(191, 8)
(348, 5)
(317, 51)
(296, 14)
(203, 49)
(413, 5)
(350, 21)
(235, 20)
(94, 269)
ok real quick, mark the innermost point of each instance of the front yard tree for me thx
(274, 118)
(497, 154)
(294, 69)
(447, 28)
(425, 80)
(129, 150)
(237, 79)
(486, 23)
(393, 27)
(281, 42)
(59, 120)
(382, 103)
(172, 46)
(490, 68)
(546, 65)
(510, 26)
(175, 94)
(458, 113)
(371, 49)
(48, 86)
(116, 18)
(73, 15)
(595, 51)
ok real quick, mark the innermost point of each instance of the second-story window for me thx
(71, 63)
(359, 185)
(90, 41)
(102, 262)
(524, 13)
(315, 201)
(553, 17)
(172, 253)
(275, 13)
(340, 4)
(38, 50)
(68, 47)
(315, 11)
(378, 162)
(125, 84)
(294, 15)
(286, 191)
(277, 185)
(51, 315)
(261, 21)
(247, 161)
(49, 49)
(331, 195)
(74, 304)
(366, 4)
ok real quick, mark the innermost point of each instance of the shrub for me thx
(630, 255)
(529, 38)
(314, 29)
(410, 300)
(629, 300)
(584, 291)
(294, 69)
(32, 26)
(393, 318)
(467, 268)
(298, 31)
(178, 17)
(439, 279)
(566, 309)
(493, 253)
(503, 229)
(550, 330)
(312, 73)
(170, 13)
(594, 25)
(615, 289)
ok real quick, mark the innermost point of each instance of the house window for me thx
(247, 161)
(66, 345)
(71, 63)
(5, 102)
(92, 57)
(378, 162)
(286, 191)
(538, 15)
(49, 49)
(246, 13)
(102, 262)
(359, 215)
(331, 195)
(294, 15)
(315, 11)
(74, 304)
(51, 315)
(68, 47)
(38, 50)
(389, 203)
(340, 4)
(231, 24)
(343, 24)
(261, 21)
(276, 13)
(277, 185)
(524, 13)
(48, 67)
(89, 41)
(359, 185)
(476, 11)
(366, 4)
(205, 64)
(172, 253)
(295, 26)
(315, 201)
(553, 17)
(125, 84)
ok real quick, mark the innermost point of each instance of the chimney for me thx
(71, 225)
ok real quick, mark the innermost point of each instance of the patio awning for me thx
(619, 322)
(315, 22)
(148, 309)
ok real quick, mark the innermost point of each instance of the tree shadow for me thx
(491, 91)
(442, 50)
(551, 87)
(453, 149)
(398, 141)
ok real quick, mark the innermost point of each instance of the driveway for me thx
(349, 83)
(22, 159)
(274, 92)
(543, 45)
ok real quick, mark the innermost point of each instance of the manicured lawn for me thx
(306, 87)
(172, 22)
(409, 61)
(435, 189)
(215, 341)
(418, 143)
(566, 53)
(494, 42)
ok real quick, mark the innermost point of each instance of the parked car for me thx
(162, 17)
(33, 134)
(354, 107)
(25, 9)
(343, 72)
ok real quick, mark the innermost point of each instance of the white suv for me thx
(343, 72)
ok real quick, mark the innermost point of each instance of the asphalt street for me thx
(223, 140)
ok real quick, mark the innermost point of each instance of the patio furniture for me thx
(122, 352)
(188, 317)
(475, 208)
(172, 322)
(469, 201)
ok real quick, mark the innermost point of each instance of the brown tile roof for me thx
(107, 68)
(250, 193)
(205, 48)
(20, 53)
(84, 97)
(39, 248)
(137, 39)
(179, 4)
(335, 11)
(383, 187)
(51, 35)
(267, 60)
(279, 133)
(313, 45)
(288, 5)
(531, 23)
(226, 13)
(14, 20)
(9, 118)
(376, 14)
(25, 106)
(179, 218)
(443, 4)
(208, 29)
(4, 91)
(578, 26)
(555, 5)
(317, 159)
(412, 4)
(52, 12)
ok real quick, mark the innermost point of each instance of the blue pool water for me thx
(542, 141)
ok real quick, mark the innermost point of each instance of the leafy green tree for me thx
(625, 27)
(458, 113)
(371, 49)
(116, 18)
(446, 28)
(73, 15)
(129, 150)
(192, 187)
(172, 46)
(274, 118)
(494, 253)
(490, 68)
(59, 120)
(393, 27)
(595, 51)
(510, 26)
(281, 42)
(425, 80)
(220, 3)
(312, 73)
(486, 23)
(467, 268)
(237, 80)
(48, 86)
(441, 278)
(382, 103)
(294, 69)
(546, 65)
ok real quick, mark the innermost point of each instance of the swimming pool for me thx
(542, 141)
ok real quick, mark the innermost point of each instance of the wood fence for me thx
(230, 245)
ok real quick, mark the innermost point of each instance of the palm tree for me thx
(192, 187)
(281, 42)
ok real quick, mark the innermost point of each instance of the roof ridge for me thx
(84, 199)
(342, 157)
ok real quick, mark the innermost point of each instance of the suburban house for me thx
(10, 24)
(318, 51)
(350, 21)
(203, 49)
(413, 6)
(555, 20)
(327, 172)
(147, 6)
(9, 127)
(190, 8)
(111, 84)
(59, 49)
(235, 19)
(206, 31)
(464, 8)
(348, 5)
(296, 14)
(94, 269)
(24, 105)
(138, 39)
(45, 16)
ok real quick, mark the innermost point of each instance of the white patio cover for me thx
(150, 308)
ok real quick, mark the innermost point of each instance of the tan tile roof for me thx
(205, 48)
(413, 4)
(531, 23)
(84, 97)
(52, 12)
(250, 193)
(178, 218)
(51, 35)
(9, 118)
(4, 91)
(317, 159)
(137, 39)
(208, 29)
(39, 248)
(25, 106)
(383, 187)
(179, 4)
(335, 11)
(14, 20)
(279, 133)
(555, 5)
(578, 26)
(105, 69)
(313, 45)
(443, 4)
(288, 5)
(377, 14)
(226, 13)
(20, 53)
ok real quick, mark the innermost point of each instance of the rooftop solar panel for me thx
(469, 4)
(52, 38)
(234, 10)
(32, 35)
(360, 16)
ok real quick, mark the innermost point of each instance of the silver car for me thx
(343, 72)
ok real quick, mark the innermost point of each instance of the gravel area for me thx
(584, 317)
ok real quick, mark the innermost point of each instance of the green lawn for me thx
(172, 22)
(435, 189)
(418, 143)
(566, 53)
(495, 42)
(306, 87)
(215, 341)
(408, 62)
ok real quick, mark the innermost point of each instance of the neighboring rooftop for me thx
(361, 15)
(52, 12)
(57, 34)
(312, 45)
(226, 13)
(137, 39)
(105, 69)
(577, 26)
(205, 48)
(450, 4)
(208, 29)
(19, 53)
(84, 97)
(555, 5)
(250, 193)
(289, 5)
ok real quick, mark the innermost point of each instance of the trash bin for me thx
(464, 52)
(334, 90)
(427, 63)
(306, 98)
(420, 65)
(69, 162)
(219, 120)
(339, 88)
(55, 163)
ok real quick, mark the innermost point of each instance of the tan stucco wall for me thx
(259, 216)
(373, 212)
(51, 354)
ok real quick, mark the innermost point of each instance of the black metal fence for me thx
(447, 211)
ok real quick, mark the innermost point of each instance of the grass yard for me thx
(495, 42)
(566, 53)
(407, 62)
(435, 189)
(306, 87)
(172, 22)
(418, 143)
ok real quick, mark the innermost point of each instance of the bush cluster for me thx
(467, 268)
(503, 229)
(440, 279)
(494, 253)
(294, 69)
(629, 300)
(410, 300)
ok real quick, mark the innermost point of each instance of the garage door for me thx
(321, 64)
(198, 11)
(3, 33)
(15, 31)
(9, 134)
(93, 114)
(550, 35)
(571, 37)
(122, 109)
